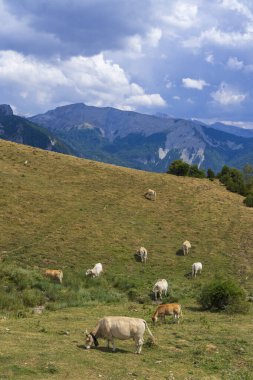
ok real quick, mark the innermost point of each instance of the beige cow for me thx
(121, 328)
(160, 287)
(186, 247)
(143, 254)
(150, 194)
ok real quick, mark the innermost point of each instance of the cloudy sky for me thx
(185, 58)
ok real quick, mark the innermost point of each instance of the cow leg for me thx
(108, 344)
(139, 343)
(113, 345)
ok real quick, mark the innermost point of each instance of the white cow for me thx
(160, 287)
(186, 247)
(196, 267)
(143, 254)
(96, 271)
(120, 328)
(150, 194)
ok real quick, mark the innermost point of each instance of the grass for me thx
(66, 213)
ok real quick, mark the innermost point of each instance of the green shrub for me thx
(223, 295)
(249, 200)
(194, 171)
(179, 167)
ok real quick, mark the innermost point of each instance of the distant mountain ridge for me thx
(20, 130)
(144, 141)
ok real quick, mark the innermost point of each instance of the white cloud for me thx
(197, 84)
(93, 80)
(176, 97)
(235, 5)
(219, 37)
(227, 95)
(209, 58)
(234, 63)
(182, 14)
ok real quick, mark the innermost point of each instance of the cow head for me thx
(90, 340)
(88, 272)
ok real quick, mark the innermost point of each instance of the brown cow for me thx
(168, 309)
(54, 274)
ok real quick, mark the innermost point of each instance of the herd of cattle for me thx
(123, 328)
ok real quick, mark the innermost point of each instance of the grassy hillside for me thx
(63, 212)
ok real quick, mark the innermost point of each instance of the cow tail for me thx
(150, 333)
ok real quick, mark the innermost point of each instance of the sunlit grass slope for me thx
(60, 211)
(63, 212)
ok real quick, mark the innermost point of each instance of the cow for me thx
(196, 267)
(121, 328)
(150, 194)
(143, 254)
(161, 286)
(168, 309)
(186, 247)
(54, 274)
(96, 271)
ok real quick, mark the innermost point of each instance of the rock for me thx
(6, 110)
(38, 309)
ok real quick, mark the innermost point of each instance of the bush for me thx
(249, 200)
(210, 174)
(179, 167)
(233, 180)
(194, 171)
(223, 295)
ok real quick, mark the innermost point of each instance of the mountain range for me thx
(146, 142)
(132, 139)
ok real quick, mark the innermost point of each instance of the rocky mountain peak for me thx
(6, 110)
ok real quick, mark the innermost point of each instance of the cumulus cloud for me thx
(226, 95)
(181, 14)
(93, 80)
(197, 84)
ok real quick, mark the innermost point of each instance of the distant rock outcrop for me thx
(6, 110)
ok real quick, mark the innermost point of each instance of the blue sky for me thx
(185, 58)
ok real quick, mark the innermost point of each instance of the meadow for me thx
(67, 213)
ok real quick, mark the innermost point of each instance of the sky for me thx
(184, 58)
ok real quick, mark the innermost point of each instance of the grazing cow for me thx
(167, 309)
(54, 274)
(161, 286)
(196, 267)
(143, 254)
(186, 247)
(96, 271)
(120, 328)
(150, 194)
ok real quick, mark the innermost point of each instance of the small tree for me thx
(179, 167)
(210, 174)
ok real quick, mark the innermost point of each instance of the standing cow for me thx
(121, 328)
(196, 267)
(95, 271)
(54, 274)
(150, 194)
(186, 247)
(167, 309)
(143, 254)
(160, 287)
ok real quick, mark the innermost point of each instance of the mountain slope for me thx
(20, 130)
(143, 141)
(63, 212)
(68, 212)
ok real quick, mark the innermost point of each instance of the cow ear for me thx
(86, 332)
